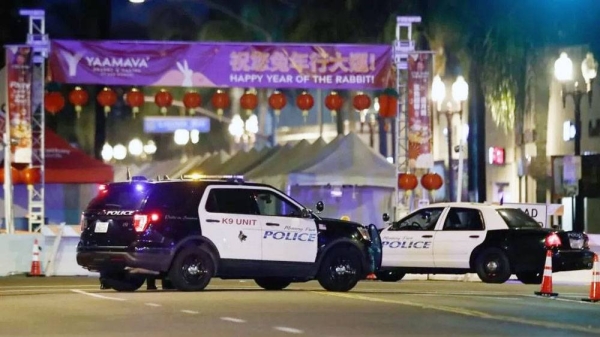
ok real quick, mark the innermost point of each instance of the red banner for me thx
(19, 74)
(420, 136)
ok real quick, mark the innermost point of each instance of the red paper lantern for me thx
(249, 102)
(54, 102)
(78, 97)
(407, 181)
(192, 100)
(220, 100)
(305, 102)
(163, 99)
(107, 98)
(16, 176)
(361, 102)
(388, 106)
(31, 175)
(277, 101)
(334, 102)
(432, 181)
(135, 99)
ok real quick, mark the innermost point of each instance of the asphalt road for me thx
(77, 307)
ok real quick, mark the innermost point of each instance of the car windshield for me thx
(516, 218)
(122, 197)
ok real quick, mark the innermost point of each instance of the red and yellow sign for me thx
(420, 136)
(19, 74)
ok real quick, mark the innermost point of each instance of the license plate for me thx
(101, 227)
(576, 243)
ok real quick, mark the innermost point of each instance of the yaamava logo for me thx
(73, 60)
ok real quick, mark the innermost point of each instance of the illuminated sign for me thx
(568, 131)
(496, 155)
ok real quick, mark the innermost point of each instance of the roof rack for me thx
(238, 178)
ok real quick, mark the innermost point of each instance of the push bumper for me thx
(103, 259)
(572, 260)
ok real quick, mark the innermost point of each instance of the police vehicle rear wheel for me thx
(389, 276)
(530, 277)
(122, 281)
(192, 269)
(492, 266)
(272, 283)
(340, 270)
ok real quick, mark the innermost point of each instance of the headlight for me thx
(364, 232)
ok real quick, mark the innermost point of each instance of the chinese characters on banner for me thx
(420, 137)
(19, 73)
(328, 66)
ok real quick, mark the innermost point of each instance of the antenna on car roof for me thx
(128, 174)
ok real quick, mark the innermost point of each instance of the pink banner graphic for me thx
(19, 75)
(420, 138)
(359, 67)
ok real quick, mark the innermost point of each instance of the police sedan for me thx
(494, 241)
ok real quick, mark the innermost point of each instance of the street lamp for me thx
(563, 71)
(460, 93)
(244, 131)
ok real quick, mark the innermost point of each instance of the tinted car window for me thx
(424, 220)
(231, 200)
(465, 219)
(176, 198)
(272, 204)
(123, 197)
(516, 218)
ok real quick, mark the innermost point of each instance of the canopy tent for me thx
(277, 176)
(246, 161)
(347, 162)
(210, 163)
(283, 155)
(349, 177)
(66, 164)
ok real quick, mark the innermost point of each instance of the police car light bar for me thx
(212, 177)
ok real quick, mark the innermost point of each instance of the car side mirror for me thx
(386, 217)
(320, 206)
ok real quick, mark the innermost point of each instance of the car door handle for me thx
(272, 224)
(473, 236)
(427, 236)
(212, 220)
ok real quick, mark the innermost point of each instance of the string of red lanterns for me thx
(220, 100)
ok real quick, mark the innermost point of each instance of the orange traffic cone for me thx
(547, 278)
(595, 287)
(36, 268)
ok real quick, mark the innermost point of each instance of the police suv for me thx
(495, 241)
(187, 231)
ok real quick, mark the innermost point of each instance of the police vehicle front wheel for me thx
(340, 270)
(272, 283)
(192, 269)
(492, 266)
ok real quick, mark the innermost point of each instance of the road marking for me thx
(50, 287)
(191, 312)
(467, 312)
(572, 300)
(233, 319)
(98, 296)
(288, 330)
(152, 304)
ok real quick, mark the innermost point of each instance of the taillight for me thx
(552, 240)
(82, 222)
(142, 221)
